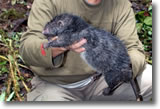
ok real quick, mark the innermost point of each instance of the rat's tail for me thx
(136, 89)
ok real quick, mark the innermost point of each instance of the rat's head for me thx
(63, 24)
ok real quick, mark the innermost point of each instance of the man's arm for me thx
(31, 47)
(125, 29)
(31, 42)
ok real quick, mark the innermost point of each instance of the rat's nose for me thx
(46, 31)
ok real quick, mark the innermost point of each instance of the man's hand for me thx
(76, 47)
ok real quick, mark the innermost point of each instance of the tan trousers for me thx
(44, 91)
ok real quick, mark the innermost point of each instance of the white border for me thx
(114, 105)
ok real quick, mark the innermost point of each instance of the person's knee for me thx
(145, 82)
(146, 77)
(55, 93)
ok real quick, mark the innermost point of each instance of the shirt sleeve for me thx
(31, 42)
(125, 29)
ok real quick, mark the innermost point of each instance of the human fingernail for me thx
(83, 49)
(84, 40)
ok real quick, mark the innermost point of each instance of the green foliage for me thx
(9, 64)
(144, 28)
(3, 67)
(3, 96)
(10, 96)
(13, 81)
(7, 37)
(11, 14)
(13, 2)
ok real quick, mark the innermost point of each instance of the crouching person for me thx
(60, 74)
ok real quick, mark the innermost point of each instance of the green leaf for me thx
(2, 96)
(150, 38)
(11, 58)
(13, 2)
(150, 33)
(140, 16)
(148, 21)
(4, 69)
(150, 8)
(10, 96)
(139, 27)
(150, 13)
(0, 37)
(3, 63)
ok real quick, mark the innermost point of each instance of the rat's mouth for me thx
(46, 31)
(50, 36)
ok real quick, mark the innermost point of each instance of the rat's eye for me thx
(60, 23)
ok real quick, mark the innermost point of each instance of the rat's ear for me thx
(84, 32)
(60, 23)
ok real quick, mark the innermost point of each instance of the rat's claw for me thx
(45, 45)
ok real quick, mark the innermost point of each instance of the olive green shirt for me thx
(115, 16)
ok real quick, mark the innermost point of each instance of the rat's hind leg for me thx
(107, 91)
(110, 89)
(113, 83)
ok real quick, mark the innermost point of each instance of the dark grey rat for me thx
(105, 53)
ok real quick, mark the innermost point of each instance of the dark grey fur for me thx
(104, 52)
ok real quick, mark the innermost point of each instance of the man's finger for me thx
(80, 50)
(79, 44)
(55, 38)
(62, 49)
